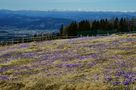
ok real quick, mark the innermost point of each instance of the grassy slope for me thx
(89, 63)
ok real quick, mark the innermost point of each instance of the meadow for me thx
(85, 63)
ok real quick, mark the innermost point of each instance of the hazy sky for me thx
(92, 5)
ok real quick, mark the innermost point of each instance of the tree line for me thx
(102, 26)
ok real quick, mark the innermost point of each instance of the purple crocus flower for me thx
(4, 78)
(116, 83)
(108, 78)
(24, 46)
(127, 82)
(119, 73)
(72, 65)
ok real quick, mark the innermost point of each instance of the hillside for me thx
(16, 24)
(86, 63)
(72, 15)
(52, 19)
(15, 21)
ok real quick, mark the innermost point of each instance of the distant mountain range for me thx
(51, 19)
(12, 19)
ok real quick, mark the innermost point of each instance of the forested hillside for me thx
(96, 27)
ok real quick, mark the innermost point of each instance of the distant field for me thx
(87, 63)
(9, 34)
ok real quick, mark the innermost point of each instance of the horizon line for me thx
(68, 10)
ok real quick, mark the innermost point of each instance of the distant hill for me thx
(73, 15)
(10, 20)
(51, 19)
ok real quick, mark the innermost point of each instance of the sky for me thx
(81, 5)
